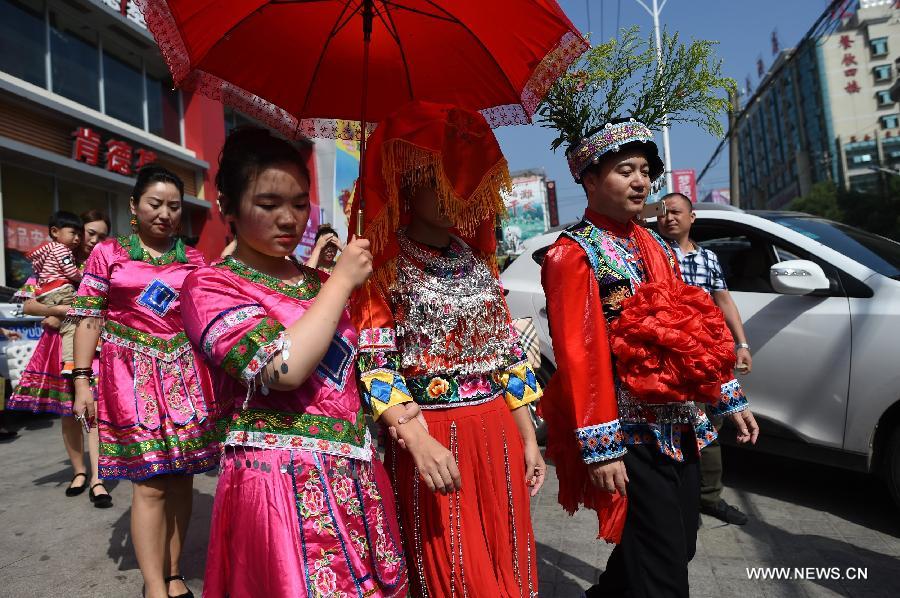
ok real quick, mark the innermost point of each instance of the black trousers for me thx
(660, 534)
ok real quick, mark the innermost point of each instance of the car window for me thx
(878, 253)
(746, 255)
(745, 261)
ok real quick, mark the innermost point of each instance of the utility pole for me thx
(734, 151)
(667, 152)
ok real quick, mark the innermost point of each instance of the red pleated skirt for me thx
(477, 542)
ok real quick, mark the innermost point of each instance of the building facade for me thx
(85, 100)
(826, 113)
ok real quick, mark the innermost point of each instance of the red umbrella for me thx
(297, 65)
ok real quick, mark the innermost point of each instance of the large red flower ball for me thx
(671, 344)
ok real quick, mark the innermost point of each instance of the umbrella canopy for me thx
(298, 65)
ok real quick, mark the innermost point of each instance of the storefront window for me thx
(27, 207)
(77, 198)
(76, 69)
(162, 109)
(22, 41)
(27, 195)
(123, 87)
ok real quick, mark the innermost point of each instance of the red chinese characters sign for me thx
(117, 156)
(848, 60)
(24, 236)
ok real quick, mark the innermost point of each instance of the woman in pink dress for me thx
(156, 427)
(303, 506)
(41, 389)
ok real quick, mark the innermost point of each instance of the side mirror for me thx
(798, 277)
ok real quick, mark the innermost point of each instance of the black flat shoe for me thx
(76, 490)
(101, 501)
(189, 593)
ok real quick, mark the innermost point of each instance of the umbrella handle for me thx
(368, 15)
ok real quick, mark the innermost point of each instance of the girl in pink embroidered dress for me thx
(156, 426)
(303, 507)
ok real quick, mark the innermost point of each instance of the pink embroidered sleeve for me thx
(230, 328)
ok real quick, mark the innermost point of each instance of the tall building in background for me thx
(825, 113)
(85, 100)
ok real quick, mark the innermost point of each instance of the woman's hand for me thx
(52, 322)
(84, 401)
(535, 468)
(435, 463)
(355, 265)
(411, 411)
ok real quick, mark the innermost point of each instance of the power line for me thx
(601, 21)
(618, 15)
(770, 79)
(587, 7)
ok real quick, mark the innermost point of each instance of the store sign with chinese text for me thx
(685, 182)
(128, 9)
(24, 236)
(114, 155)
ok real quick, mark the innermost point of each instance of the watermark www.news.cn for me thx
(808, 573)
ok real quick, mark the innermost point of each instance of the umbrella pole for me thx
(368, 15)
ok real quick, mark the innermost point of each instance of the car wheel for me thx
(543, 375)
(892, 466)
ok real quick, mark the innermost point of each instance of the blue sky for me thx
(743, 29)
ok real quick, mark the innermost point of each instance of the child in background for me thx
(57, 275)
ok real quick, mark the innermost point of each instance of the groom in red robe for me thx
(635, 348)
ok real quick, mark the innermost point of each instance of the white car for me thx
(821, 308)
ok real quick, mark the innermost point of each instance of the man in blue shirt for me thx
(700, 267)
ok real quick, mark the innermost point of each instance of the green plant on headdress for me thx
(623, 77)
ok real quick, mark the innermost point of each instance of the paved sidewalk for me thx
(802, 516)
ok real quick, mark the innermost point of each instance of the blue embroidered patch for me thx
(335, 366)
(158, 297)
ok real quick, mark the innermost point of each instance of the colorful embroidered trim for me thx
(336, 364)
(733, 399)
(368, 361)
(261, 428)
(26, 291)
(667, 437)
(144, 342)
(254, 350)
(449, 391)
(164, 259)
(228, 320)
(598, 245)
(88, 305)
(552, 66)
(609, 139)
(95, 282)
(377, 339)
(184, 443)
(303, 290)
(382, 389)
(520, 385)
(705, 432)
(601, 442)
